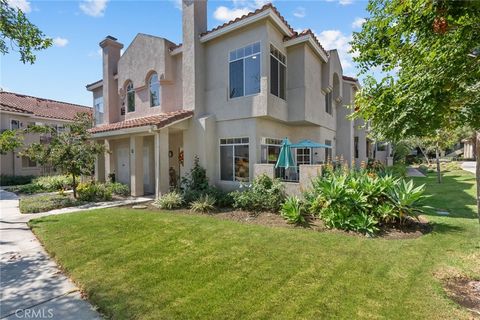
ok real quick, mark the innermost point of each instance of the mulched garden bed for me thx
(465, 292)
(410, 229)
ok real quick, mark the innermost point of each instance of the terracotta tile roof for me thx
(159, 120)
(45, 108)
(250, 14)
(304, 33)
(350, 78)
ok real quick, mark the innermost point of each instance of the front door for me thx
(123, 165)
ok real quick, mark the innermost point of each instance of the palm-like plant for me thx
(291, 210)
(406, 198)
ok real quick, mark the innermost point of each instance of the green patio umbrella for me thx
(285, 158)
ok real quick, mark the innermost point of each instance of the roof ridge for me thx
(44, 99)
(250, 14)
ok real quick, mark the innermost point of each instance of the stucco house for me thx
(228, 95)
(17, 112)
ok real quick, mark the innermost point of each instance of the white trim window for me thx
(154, 90)
(278, 73)
(130, 97)
(14, 124)
(234, 159)
(244, 71)
(328, 103)
(99, 110)
(304, 156)
(270, 149)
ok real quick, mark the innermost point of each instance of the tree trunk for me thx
(437, 156)
(74, 186)
(425, 155)
(477, 155)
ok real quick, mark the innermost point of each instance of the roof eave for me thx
(269, 13)
(95, 85)
(313, 44)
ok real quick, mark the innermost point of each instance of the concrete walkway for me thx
(412, 172)
(469, 166)
(31, 285)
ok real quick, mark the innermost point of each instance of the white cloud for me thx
(60, 42)
(335, 39)
(358, 22)
(299, 12)
(240, 8)
(177, 4)
(95, 54)
(342, 2)
(224, 14)
(93, 8)
(23, 5)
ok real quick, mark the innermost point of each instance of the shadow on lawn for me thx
(456, 195)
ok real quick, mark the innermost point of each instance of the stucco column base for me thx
(161, 149)
(108, 161)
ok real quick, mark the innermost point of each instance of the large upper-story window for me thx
(99, 111)
(154, 86)
(130, 97)
(244, 67)
(278, 73)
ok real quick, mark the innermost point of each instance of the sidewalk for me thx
(469, 166)
(31, 285)
(412, 172)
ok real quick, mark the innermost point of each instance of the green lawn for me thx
(152, 265)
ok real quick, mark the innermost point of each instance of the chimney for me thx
(194, 23)
(110, 54)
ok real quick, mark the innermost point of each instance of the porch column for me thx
(100, 165)
(136, 165)
(107, 161)
(162, 179)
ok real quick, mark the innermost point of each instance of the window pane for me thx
(236, 79)
(241, 163)
(240, 53)
(248, 50)
(283, 81)
(263, 154)
(273, 76)
(252, 75)
(131, 101)
(233, 55)
(226, 163)
(273, 152)
(256, 47)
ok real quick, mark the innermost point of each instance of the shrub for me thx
(360, 200)
(35, 204)
(204, 204)
(118, 188)
(264, 194)
(222, 199)
(91, 191)
(171, 200)
(195, 183)
(398, 170)
(54, 183)
(10, 180)
(291, 210)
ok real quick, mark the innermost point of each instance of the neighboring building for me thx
(468, 148)
(229, 95)
(18, 111)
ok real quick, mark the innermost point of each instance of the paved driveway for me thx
(469, 166)
(31, 285)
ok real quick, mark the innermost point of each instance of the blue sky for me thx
(62, 71)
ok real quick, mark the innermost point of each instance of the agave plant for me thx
(291, 210)
(406, 199)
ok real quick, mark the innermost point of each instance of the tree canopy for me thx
(427, 51)
(17, 33)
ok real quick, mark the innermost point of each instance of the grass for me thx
(42, 203)
(151, 265)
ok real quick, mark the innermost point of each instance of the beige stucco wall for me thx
(11, 163)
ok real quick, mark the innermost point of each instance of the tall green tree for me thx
(428, 52)
(72, 151)
(17, 33)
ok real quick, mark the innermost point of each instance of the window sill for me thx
(250, 95)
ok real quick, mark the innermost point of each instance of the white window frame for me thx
(220, 144)
(11, 126)
(285, 65)
(127, 92)
(243, 58)
(303, 155)
(263, 142)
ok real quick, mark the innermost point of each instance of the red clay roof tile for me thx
(159, 120)
(40, 107)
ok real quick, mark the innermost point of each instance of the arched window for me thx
(154, 85)
(130, 97)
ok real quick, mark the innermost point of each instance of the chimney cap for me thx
(111, 38)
